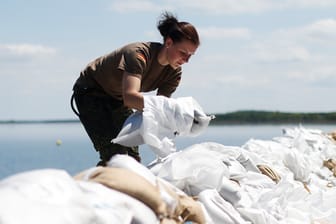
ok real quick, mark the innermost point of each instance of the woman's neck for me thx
(162, 56)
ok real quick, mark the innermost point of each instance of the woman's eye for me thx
(183, 54)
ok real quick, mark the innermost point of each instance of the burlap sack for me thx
(331, 165)
(191, 210)
(168, 221)
(333, 135)
(129, 183)
(268, 171)
(187, 208)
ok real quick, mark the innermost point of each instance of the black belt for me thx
(72, 104)
(80, 90)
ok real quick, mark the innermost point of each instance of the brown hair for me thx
(169, 26)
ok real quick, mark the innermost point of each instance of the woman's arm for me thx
(131, 91)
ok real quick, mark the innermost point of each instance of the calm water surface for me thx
(33, 146)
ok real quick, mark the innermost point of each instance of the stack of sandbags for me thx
(289, 179)
(277, 181)
(126, 175)
(98, 195)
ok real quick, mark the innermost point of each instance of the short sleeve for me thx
(133, 61)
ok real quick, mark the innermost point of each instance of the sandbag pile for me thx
(168, 203)
(125, 192)
(288, 179)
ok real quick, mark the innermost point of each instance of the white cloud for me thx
(220, 32)
(213, 6)
(138, 6)
(226, 6)
(309, 3)
(285, 57)
(280, 53)
(217, 6)
(243, 80)
(250, 6)
(25, 50)
(311, 43)
(322, 30)
(314, 73)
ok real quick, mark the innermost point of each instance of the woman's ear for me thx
(169, 42)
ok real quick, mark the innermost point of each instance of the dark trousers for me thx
(103, 117)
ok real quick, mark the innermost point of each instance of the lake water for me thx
(33, 146)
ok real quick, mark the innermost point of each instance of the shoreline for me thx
(248, 117)
(212, 123)
(275, 117)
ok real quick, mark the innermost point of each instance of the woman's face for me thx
(179, 53)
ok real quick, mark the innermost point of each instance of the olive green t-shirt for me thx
(139, 59)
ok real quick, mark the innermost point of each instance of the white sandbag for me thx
(230, 191)
(171, 186)
(303, 207)
(194, 169)
(181, 116)
(161, 121)
(201, 120)
(297, 216)
(252, 188)
(257, 180)
(155, 167)
(236, 170)
(218, 209)
(247, 162)
(257, 216)
(129, 163)
(43, 196)
(265, 151)
(223, 150)
(298, 164)
(130, 134)
(235, 158)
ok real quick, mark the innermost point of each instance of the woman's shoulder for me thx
(143, 46)
(146, 50)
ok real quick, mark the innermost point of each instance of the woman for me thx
(111, 86)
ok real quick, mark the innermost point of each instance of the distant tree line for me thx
(238, 117)
(61, 121)
(273, 117)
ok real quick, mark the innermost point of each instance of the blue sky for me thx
(254, 54)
